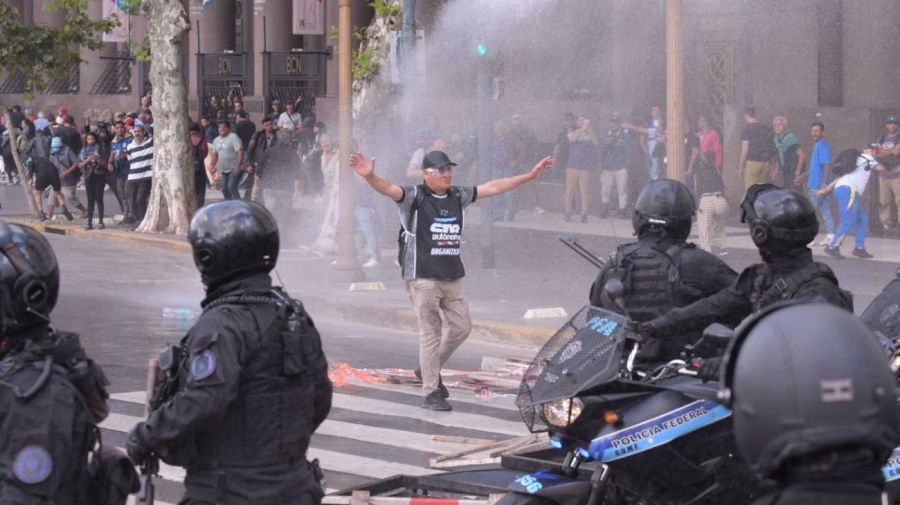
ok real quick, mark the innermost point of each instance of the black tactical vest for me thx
(46, 434)
(270, 421)
(651, 276)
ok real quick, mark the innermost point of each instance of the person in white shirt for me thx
(290, 120)
(227, 156)
(848, 190)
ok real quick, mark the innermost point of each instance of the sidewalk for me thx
(534, 272)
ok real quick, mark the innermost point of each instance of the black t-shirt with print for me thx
(437, 225)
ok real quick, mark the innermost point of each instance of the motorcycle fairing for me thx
(553, 486)
(892, 469)
(585, 352)
(657, 431)
(883, 314)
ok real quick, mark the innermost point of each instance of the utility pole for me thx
(675, 89)
(407, 40)
(346, 268)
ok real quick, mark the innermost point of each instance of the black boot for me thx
(89, 225)
(68, 214)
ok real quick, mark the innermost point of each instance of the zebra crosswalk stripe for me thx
(336, 442)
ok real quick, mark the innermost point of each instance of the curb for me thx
(400, 319)
(405, 319)
(117, 235)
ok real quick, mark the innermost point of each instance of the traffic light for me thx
(481, 49)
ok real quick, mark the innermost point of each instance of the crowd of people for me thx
(623, 155)
(281, 159)
(287, 156)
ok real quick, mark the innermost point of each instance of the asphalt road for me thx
(113, 294)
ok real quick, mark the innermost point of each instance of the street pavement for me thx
(113, 293)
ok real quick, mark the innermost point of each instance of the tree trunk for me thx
(24, 180)
(172, 202)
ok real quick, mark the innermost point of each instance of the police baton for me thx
(573, 244)
(150, 467)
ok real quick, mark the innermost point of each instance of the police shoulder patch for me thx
(33, 464)
(203, 365)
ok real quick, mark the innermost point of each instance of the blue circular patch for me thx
(203, 365)
(33, 465)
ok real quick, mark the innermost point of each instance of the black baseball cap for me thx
(436, 159)
(893, 119)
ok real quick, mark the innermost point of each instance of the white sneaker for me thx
(539, 211)
(827, 240)
(371, 263)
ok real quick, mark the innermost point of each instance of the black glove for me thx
(709, 369)
(646, 330)
(136, 446)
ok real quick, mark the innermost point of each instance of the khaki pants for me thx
(755, 172)
(711, 218)
(620, 179)
(888, 191)
(429, 298)
(581, 179)
(71, 196)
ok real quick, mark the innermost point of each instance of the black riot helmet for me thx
(232, 239)
(804, 380)
(664, 204)
(780, 219)
(29, 279)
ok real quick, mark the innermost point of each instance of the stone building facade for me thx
(828, 60)
(235, 47)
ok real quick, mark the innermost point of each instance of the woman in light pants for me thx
(713, 211)
(618, 177)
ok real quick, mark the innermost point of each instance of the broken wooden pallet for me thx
(486, 452)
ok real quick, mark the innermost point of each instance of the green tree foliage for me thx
(43, 53)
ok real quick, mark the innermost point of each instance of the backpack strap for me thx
(784, 287)
(418, 200)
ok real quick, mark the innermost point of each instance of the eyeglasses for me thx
(446, 169)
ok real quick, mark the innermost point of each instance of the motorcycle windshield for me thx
(883, 314)
(585, 352)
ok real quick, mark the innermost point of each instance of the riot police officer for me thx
(252, 385)
(51, 394)
(661, 270)
(820, 416)
(782, 223)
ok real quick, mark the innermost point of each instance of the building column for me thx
(92, 67)
(217, 33)
(279, 29)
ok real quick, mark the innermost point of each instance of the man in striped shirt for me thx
(140, 174)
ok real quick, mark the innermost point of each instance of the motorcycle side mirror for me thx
(718, 333)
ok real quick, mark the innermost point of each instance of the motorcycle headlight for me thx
(562, 413)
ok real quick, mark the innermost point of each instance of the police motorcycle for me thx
(630, 434)
(646, 436)
(882, 316)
